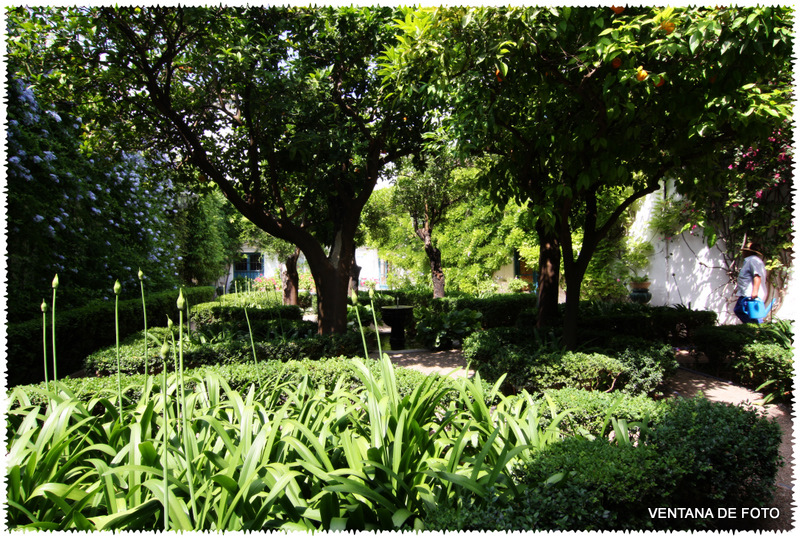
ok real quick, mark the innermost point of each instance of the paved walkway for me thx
(686, 382)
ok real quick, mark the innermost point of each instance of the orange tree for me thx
(426, 191)
(576, 102)
(280, 107)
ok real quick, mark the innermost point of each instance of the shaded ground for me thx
(685, 383)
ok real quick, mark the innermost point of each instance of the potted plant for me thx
(517, 285)
(640, 282)
(639, 293)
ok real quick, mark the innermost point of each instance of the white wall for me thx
(685, 270)
(503, 275)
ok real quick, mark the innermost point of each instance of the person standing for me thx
(750, 284)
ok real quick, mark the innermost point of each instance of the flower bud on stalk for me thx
(117, 287)
(44, 307)
(181, 301)
(141, 275)
(354, 297)
(53, 328)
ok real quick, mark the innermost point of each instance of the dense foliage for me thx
(622, 100)
(533, 362)
(91, 218)
(281, 107)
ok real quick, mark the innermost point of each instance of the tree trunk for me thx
(549, 267)
(435, 259)
(355, 273)
(290, 278)
(571, 308)
(332, 278)
(332, 301)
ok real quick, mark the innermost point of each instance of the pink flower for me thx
(759, 193)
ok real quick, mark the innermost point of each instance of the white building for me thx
(254, 264)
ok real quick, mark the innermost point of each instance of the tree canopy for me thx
(282, 108)
(575, 102)
(293, 113)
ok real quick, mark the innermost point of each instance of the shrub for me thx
(496, 310)
(727, 455)
(722, 343)
(750, 354)
(647, 367)
(199, 351)
(206, 313)
(605, 486)
(600, 321)
(81, 331)
(766, 363)
(532, 360)
(591, 410)
(438, 330)
(696, 454)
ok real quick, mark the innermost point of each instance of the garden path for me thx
(685, 383)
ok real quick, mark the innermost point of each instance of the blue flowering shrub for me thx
(91, 218)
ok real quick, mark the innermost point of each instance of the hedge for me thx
(201, 350)
(81, 331)
(531, 360)
(212, 312)
(323, 372)
(696, 455)
(596, 324)
(501, 310)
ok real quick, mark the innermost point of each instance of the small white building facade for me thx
(254, 264)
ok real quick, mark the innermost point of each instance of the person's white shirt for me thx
(752, 266)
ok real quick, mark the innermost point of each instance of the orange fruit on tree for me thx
(641, 74)
(617, 9)
(660, 82)
(497, 74)
(668, 26)
(616, 63)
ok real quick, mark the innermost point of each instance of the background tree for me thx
(282, 108)
(427, 191)
(207, 239)
(476, 240)
(575, 102)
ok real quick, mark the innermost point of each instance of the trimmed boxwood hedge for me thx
(591, 409)
(501, 310)
(198, 351)
(599, 322)
(531, 360)
(212, 312)
(696, 455)
(81, 331)
(323, 372)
